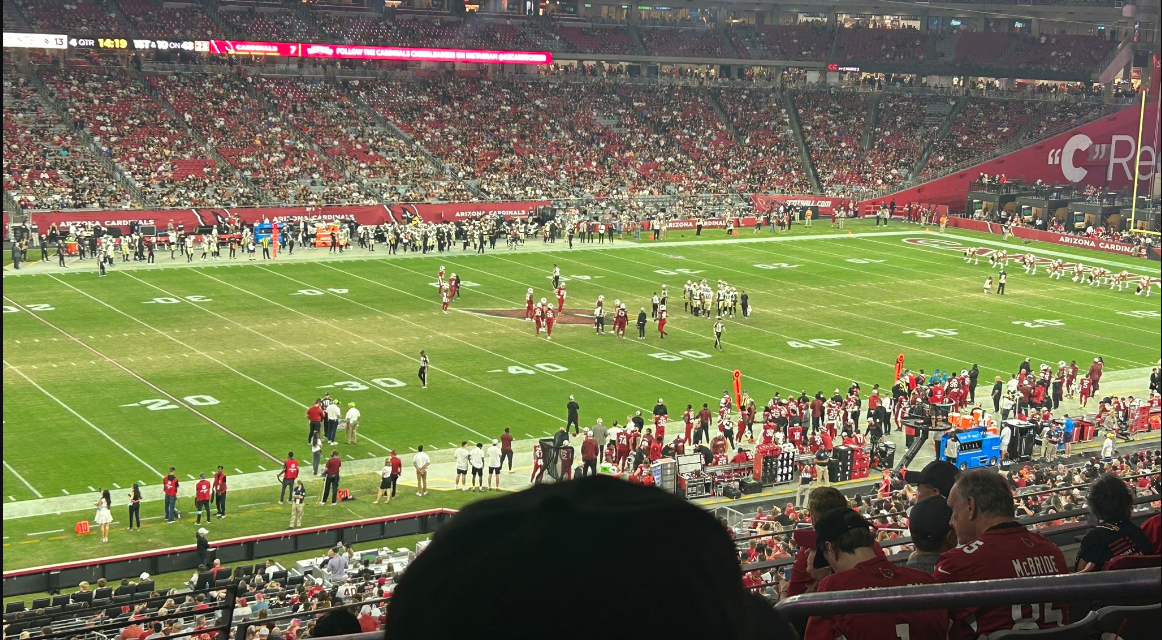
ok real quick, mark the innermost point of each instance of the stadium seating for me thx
(273, 155)
(187, 21)
(614, 40)
(981, 127)
(767, 157)
(864, 44)
(73, 17)
(325, 114)
(276, 26)
(833, 125)
(978, 49)
(1058, 52)
(138, 134)
(46, 166)
(688, 42)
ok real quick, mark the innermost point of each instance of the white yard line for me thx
(172, 398)
(82, 418)
(17, 473)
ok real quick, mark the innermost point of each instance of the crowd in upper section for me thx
(102, 136)
(689, 38)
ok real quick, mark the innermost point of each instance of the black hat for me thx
(930, 518)
(517, 539)
(938, 474)
(833, 524)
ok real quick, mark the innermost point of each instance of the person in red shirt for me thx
(688, 418)
(1153, 530)
(622, 442)
(202, 498)
(539, 315)
(845, 542)
(803, 576)
(1085, 390)
(315, 415)
(367, 622)
(220, 491)
(529, 305)
(655, 449)
(995, 546)
(169, 486)
(506, 448)
(288, 475)
(396, 472)
(331, 473)
(560, 298)
(703, 432)
(589, 450)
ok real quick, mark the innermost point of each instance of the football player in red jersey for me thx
(1085, 388)
(995, 546)
(688, 418)
(622, 444)
(538, 465)
(846, 542)
(539, 315)
(560, 298)
(440, 277)
(550, 318)
(529, 305)
(445, 298)
(662, 321)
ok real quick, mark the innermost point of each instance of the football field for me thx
(110, 381)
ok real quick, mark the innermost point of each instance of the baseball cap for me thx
(939, 474)
(833, 524)
(494, 441)
(929, 518)
(144, 577)
(203, 531)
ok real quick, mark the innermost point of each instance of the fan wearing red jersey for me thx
(845, 542)
(995, 546)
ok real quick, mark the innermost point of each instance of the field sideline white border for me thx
(532, 246)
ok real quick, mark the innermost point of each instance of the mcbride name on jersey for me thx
(1004, 551)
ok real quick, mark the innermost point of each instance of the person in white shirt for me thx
(1006, 436)
(421, 462)
(1107, 448)
(352, 418)
(332, 425)
(476, 458)
(461, 457)
(494, 466)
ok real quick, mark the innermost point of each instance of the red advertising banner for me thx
(361, 52)
(825, 206)
(1101, 153)
(709, 223)
(1068, 239)
(362, 214)
(453, 211)
(247, 48)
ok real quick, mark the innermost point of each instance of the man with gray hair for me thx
(995, 546)
(600, 433)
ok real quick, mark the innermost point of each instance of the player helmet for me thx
(441, 267)
(530, 289)
(1061, 363)
(543, 301)
(600, 297)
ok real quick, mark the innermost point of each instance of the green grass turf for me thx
(179, 579)
(255, 350)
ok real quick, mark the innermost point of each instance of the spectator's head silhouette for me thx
(526, 557)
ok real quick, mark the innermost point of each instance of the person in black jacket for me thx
(203, 546)
(973, 374)
(998, 393)
(573, 420)
(641, 323)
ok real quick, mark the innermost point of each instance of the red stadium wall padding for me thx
(1047, 236)
(363, 214)
(1100, 153)
(453, 211)
(826, 206)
